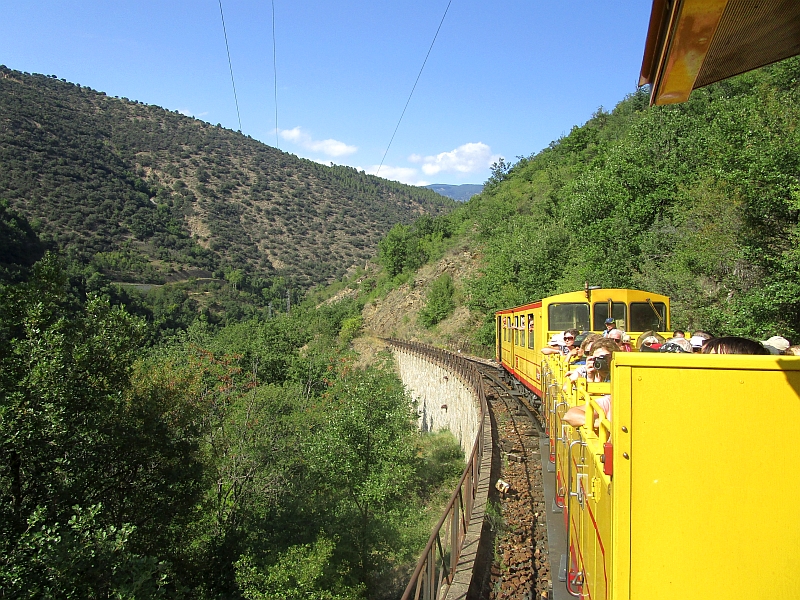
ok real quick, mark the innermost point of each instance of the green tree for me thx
(439, 303)
(364, 458)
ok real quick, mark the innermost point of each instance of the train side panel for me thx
(705, 482)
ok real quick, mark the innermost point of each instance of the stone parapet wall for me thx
(442, 399)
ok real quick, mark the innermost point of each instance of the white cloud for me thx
(329, 147)
(187, 113)
(468, 158)
(407, 175)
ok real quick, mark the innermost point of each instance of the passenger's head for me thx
(678, 334)
(616, 335)
(569, 337)
(610, 324)
(603, 349)
(792, 351)
(733, 345)
(647, 340)
(676, 344)
(588, 341)
(698, 340)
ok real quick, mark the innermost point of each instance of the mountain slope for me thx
(148, 194)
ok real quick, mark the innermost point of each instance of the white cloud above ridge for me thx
(467, 158)
(187, 113)
(329, 147)
(407, 175)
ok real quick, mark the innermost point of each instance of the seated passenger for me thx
(698, 339)
(733, 345)
(610, 324)
(678, 333)
(569, 343)
(603, 349)
(792, 351)
(676, 345)
(598, 369)
(649, 341)
(586, 350)
(625, 345)
(554, 345)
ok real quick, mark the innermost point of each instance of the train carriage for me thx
(688, 489)
(523, 331)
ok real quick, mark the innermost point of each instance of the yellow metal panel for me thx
(712, 483)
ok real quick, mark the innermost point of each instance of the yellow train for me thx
(689, 491)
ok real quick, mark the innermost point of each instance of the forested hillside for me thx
(144, 194)
(699, 201)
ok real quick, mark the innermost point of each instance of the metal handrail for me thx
(433, 575)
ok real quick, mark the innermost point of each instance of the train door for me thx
(499, 339)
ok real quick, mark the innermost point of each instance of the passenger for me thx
(649, 343)
(733, 345)
(600, 348)
(698, 339)
(610, 324)
(586, 350)
(598, 369)
(776, 344)
(566, 347)
(625, 345)
(792, 351)
(651, 337)
(554, 345)
(616, 335)
(676, 345)
(678, 333)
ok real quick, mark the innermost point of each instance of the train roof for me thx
(594, 295)
(693, 43)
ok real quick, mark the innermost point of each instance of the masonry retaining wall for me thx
(443, 400)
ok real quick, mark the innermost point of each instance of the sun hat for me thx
(697, 341)
(556, 340)
(776, 344)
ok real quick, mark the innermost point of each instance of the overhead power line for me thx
(275, 73)
(230, 65)
(415, 86)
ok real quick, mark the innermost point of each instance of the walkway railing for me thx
(437, 564)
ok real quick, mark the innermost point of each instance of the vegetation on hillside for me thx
(207, 465)
(143, 194)
(699, 201)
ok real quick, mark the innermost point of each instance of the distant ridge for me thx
(461, 192)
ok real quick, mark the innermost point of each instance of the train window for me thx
(516, 331)
(530, 331)
(522, 331)
(569, 315)
(618, 310)
(644, 318)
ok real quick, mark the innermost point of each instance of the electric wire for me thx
(275, 73)
(415, 87)
(230, 66)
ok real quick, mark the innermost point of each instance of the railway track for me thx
(521, 567)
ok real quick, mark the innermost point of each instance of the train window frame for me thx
(516, 330)
(660, 306)
(523, 330)
(583, 326)
(531, 329)
(599, 321)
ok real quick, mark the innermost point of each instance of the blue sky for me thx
(505, 77)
